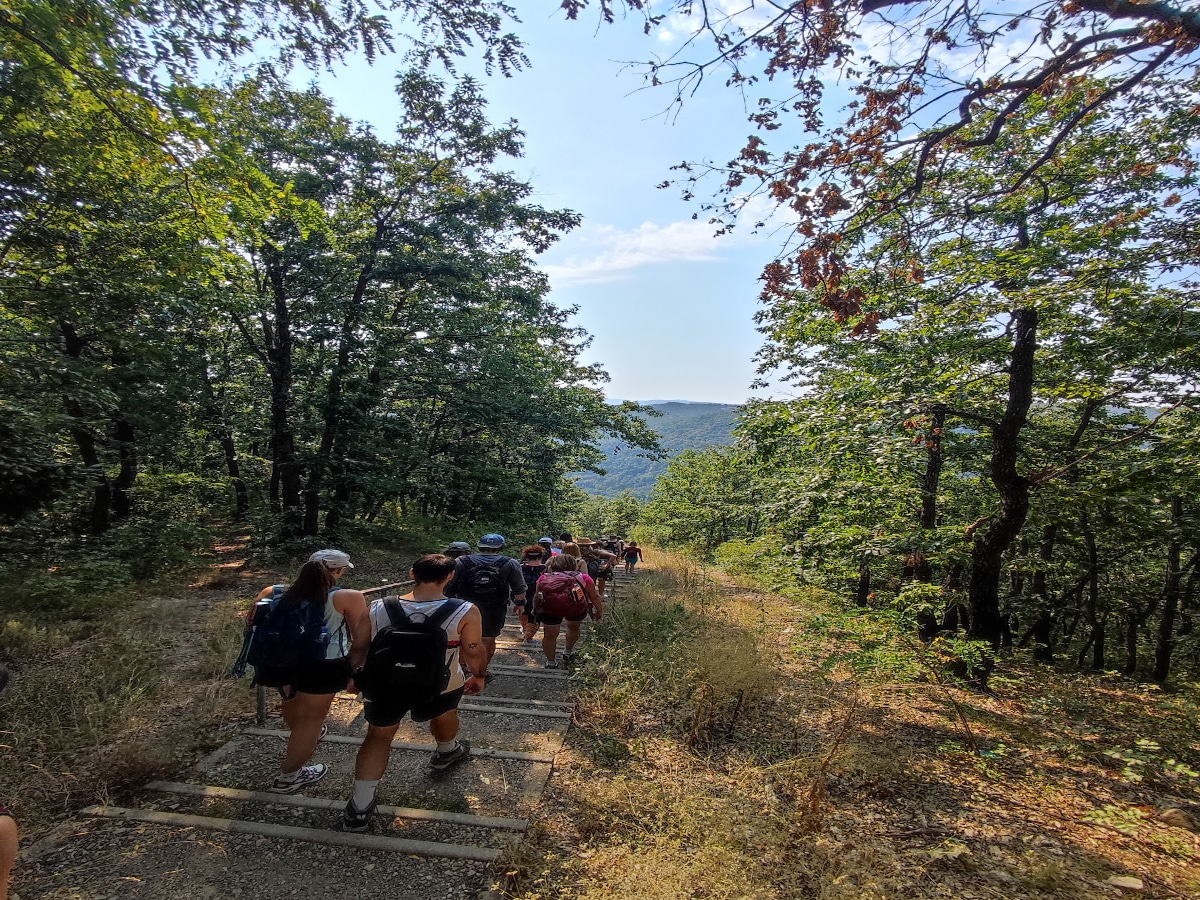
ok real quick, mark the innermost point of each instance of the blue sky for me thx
(670, 306)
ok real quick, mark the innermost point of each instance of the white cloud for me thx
(618, 251)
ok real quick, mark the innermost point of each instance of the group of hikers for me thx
(419, 654)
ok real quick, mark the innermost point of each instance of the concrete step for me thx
(493, 782)
(325, 836)
(324, 813)
(116, 855)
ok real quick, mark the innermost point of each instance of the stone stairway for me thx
(214, 831)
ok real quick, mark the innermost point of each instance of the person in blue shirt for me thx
(489, 579)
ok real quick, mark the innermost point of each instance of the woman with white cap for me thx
(308, 686)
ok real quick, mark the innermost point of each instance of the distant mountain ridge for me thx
(683, 425)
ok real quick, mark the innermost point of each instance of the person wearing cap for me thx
(489, 579)
(307, 688)
(547, 546)
(456, 549)
(533, 564)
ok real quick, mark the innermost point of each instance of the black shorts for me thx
(558, 620)
(493, 617)
(384, 714)
(320, 676)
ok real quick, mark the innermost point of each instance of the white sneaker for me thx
(305, 775)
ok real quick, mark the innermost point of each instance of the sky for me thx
(670, 307)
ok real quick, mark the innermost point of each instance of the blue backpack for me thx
(288, 635)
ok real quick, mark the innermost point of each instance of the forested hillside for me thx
(682, 426)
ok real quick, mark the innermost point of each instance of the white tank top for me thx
(379, 619)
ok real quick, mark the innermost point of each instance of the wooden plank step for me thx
(530, 672)
(292, 832)
(513, 701)
(405, 745)
(402, 812)
(519, 711)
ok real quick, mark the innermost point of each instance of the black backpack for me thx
(407, 658)
(599, 568)
(485, 581)
(531, 574)
(289, 635)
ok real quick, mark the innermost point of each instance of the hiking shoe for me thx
(570, 657)
(442, 762)
(305, 775)
(552, 664)
(357, 820)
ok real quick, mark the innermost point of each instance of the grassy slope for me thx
(820, 785)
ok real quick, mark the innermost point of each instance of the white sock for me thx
(364, 793)
(446, 746)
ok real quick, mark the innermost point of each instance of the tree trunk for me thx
(122, 502)
(100, 516)
(1050, 532)
(933, 471)
(863, 592)
(285, 468)
(234, 468)
(987, 552)
(1166, 622)
(1132, 624)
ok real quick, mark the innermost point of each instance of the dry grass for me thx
(140, 690)
(84, 718)
(823, 787)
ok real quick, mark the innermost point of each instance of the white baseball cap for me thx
(332, 559)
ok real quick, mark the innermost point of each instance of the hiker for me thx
(572, 550)
(533, 564)
(308, 671)
(547, 546)
(565, 537)
(456, 549)
(633, 555)
(489, 579)
(429, 693)
(599, 563)
(9, 837)
(564, 593)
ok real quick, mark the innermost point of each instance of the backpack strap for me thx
(444, 612)
(395, 612)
